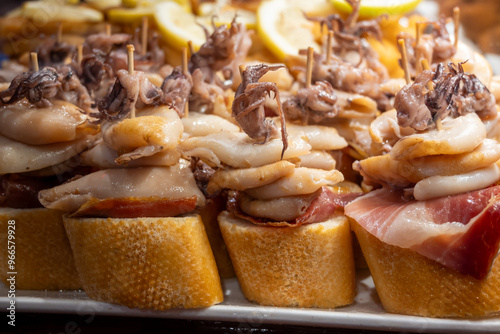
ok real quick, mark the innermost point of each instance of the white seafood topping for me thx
(244, 178)
(459, 135)
(102, 156)
(155, 131)
(438, 186)
(237, 150)
(401, 173)
(199, 124)
(278, 209)
(318, 159)
(27, 124)
(16, 157)
(302, 181)
(174, 182)
(320, 137)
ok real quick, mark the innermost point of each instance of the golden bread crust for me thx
(307, 266)
(409, 283)
(156, 263)
(43, 256)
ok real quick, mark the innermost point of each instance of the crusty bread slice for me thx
(43, 257)
(409, 283)
(306, 266)
(209, 215)
(156, 263)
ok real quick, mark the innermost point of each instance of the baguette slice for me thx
(155, 263)
(305, 266)
(409, 283)
(43, 256)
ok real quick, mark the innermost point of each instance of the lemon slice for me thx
(375, 8)
(44, 11)
(225, 14)
(178, 26)
(283, 28)
(133, 12)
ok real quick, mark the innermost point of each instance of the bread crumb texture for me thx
(409, 283)
(154, 263)
(43, 256)
(306, 266)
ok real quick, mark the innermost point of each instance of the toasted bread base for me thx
(409, 283)
(155, 263)
(209, 215)
(43, 256)
(306, 266)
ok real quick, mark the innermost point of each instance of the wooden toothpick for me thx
(430, 87)
(310, 54)
(108, 29)
(418, 26)
(130, 60)
(329, 46)
(79, 54)
(145, 26)
(59, 33)
(34, 61)
(404, 60)
(456, 21)
(191, 48)
(185, 72)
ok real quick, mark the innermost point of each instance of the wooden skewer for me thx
(79, 54)
(59, 33)
(145, 26)
(34, 61)
(310, 54)
(418, 32)
(430, 87)
(130, 60)
(329, 46)
(404, 60)
(185, 72)
(456, 21)
(191, 48)
(108, 29)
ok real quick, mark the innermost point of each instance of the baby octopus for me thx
(248, 105)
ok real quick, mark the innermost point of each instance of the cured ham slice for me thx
(461, 232)
(291, 210)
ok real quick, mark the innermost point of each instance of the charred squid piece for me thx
(248, 105)
(316, 103)
(106, 43)
(95, 70)
(37, 87)
(458, 93)
(455, 94)
(52, 52)
(224, 50)
(128, 90)
(176, 89)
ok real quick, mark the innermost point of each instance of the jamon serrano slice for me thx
(461, 232)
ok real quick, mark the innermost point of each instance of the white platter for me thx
(366, 313)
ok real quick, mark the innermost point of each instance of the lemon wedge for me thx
(283, 28)
(178, 26)
(375, 8)
(225, 14)
(51, 11)
(133, 12)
